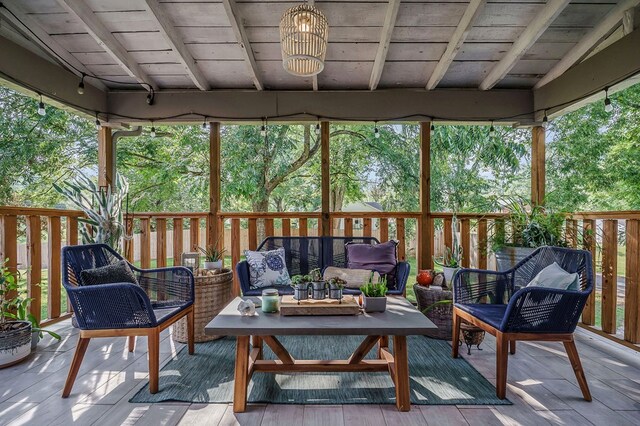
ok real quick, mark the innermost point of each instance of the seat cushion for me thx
(119, 272)
(267, 268)
(489, 313)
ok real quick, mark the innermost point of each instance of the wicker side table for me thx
(212, 293)
(442, 314)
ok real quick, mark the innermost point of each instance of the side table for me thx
(440, 312)
(212, 294)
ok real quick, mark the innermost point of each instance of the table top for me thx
(400, 319)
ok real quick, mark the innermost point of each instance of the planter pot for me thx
(318, 290)
(335, 292)
(508, 257)
(15, 343)
(35, 338)
(471, 335)
(441, 314)
(448, 275)
(213, 265)
(301, 291)
(374, 304)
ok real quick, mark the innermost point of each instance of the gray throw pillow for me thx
(553, 276)
(117, 273)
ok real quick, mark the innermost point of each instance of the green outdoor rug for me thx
(436, 378)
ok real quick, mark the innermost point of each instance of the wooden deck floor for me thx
(541, 386)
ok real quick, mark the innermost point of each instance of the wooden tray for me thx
(289, 306)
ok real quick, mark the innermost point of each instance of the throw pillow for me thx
(553, 276)
(355, 278)
(119, 272)
(381, 258)
(267, 268)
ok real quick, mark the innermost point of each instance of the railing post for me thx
(589, 244)
(178, 240)
(106, 162)
(55, 243)
(214, 185)
(34, 262)
(425, 259)
(609, 275)
(632, 283)
(9, 244)
(537, 165)
(325, 185)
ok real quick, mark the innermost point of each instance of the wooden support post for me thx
(465, 241)
(424, 245)
(34, 260)
(325, 188)
(145, 243)
(400, 235)
(482, 244)
(9, 244)
(214, 183)
(589, 244)
(253, 234)
(178, 237)
(106, 162)
(609, 275)
(194, 234)
(632, 283)
(55, 277)
(161, 242)
(537, 165)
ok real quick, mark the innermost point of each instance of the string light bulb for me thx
(263, 128)
(608, 107)
(98, 125)
(317, 128)
(492, 130)
(432, 127)
(376, 131)
(81, 85)
(153, 130)
(41, 109)
(545, 120)
(204, 123)
(150, 98)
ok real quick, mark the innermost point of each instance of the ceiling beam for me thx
(32, 75)
(613, 67)
(628, 21)
(534, 30)
(473, 10)
(243, 40)
(106, 40)
(589, 41)
(172, 37)
(348, 105)
(48, 44)
(385, 41)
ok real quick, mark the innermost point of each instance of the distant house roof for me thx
(363, 206)
(375, 205)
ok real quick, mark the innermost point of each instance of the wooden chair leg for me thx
(572, 352)
(81, 348)
(502, 358)
(455, 335)
(190, 331)
(132, 343)
(154, 359)
(512, 347)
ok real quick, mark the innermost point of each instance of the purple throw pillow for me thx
(381, 258)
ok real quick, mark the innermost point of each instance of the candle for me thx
(270, 301)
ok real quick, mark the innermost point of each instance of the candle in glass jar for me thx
(270, 301)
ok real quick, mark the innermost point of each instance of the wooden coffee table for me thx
(401, 319)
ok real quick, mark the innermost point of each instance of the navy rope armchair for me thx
(501, 304)
(160, 298)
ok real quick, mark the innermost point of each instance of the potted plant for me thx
(300, 284)
(374, 296)
(525, 228)
(452, 257)
(318, 286)
(22, 314)
(336, 285)
(15, 335)
(212, 256)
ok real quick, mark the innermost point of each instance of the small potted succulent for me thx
(300, 284)
(374, 295)
(336, 285)
(212, 256)
(318, 286)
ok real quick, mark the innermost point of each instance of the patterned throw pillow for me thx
(267, 268)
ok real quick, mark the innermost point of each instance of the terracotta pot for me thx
(424, 277)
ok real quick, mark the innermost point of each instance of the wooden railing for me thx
(161, 238)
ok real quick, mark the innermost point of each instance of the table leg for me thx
(256, 342)
(403, 397)
(241, 375)
(382, 343)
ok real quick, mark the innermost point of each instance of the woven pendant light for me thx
(303, 40)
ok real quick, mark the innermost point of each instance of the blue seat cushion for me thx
(492, 314)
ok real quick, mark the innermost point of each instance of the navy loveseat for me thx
(304, 254)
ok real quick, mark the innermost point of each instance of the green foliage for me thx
(102, 207)
(336, 282)
(452, 257)
(313, 276)
(211, 253)
(529, 225)
(8, 285)
(371, 289)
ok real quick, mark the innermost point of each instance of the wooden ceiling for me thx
(374, 44)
